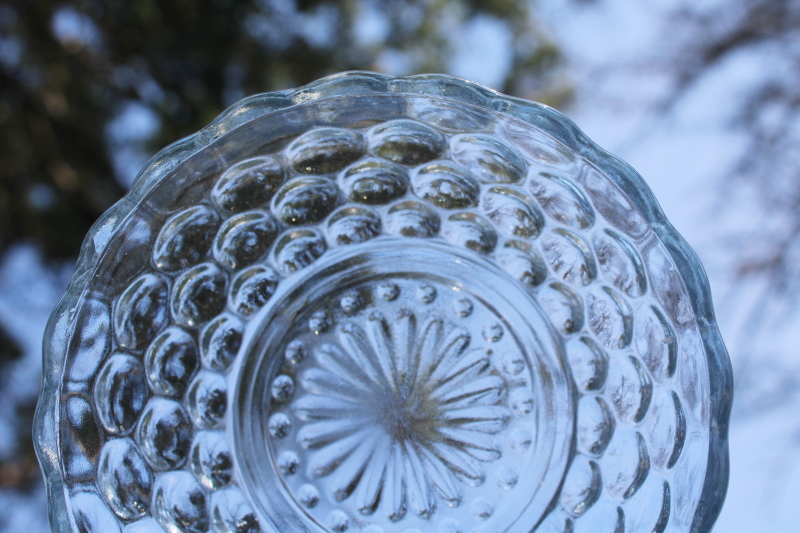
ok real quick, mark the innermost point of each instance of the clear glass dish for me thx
(385, 304)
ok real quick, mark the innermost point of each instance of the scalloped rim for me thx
(547, 119)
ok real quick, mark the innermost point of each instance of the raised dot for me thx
(507, 478)
(185, 238)
(179, 503)
(374, 182)
(295, 352)
(305, 200)
(171, 361)
(388, 291)
(288, 463)
(492, 332)
(481, 508)
(279, 425)
(120, 393)
(351, 302)
(244, 239)
(426, 293)
(462, 307)
(282, 388)
(248, 184)
(338, 521)
(319, 322)
(199, 294)
(512, 363)
(324, 150)
(220, 341)
(207, 399)
(211, 460)
(405, 141)
(252, 288)
(141, 311)
(308, 496)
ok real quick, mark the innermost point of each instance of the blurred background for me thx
(702, 98)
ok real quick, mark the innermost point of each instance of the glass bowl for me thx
(383, 304)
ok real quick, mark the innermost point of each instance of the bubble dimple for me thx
(445, 185)
(92, 515)
(282, 388)
(244, 239)
(179, 503)
(481, 508)
(120, 393)
(665, 429)
(141, 311)
(625, 464)
(656, 343)
(145, 525)
(512, 212)
(628, 388)
(124, 479)
(252, 288)
(521, 401)
(297, 249)
(588, 362)
(207, 399)
(210, 459)
(582, 486)
(164, 433)
(279, 425)
(185, 238)
(595, 425)
(470, 231)
(521, 440)
(374, 182)
(325, 150)
(488, 159)
(562, 200)
(248, 184)
(171, 361)
(522, 261)
(620, 263)
(405, 141)
(569, 257)
(199, 295)
(220, 341)
(610, 318)
(412, 219)
(507, 478)
(353, 225)
(563, 306)
(231, 512)
(338, 521)
(305, 200)
(512, 363)
(319, 322)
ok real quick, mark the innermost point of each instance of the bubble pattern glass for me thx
(385, 304)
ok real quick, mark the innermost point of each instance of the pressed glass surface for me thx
(382, 304)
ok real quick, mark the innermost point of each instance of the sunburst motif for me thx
(398, 417)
